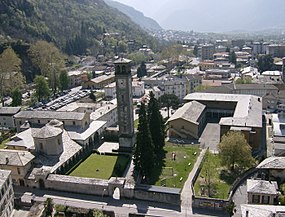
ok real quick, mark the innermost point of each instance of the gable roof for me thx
(15, 158)
(9, 110)
(50, 115)
(261, 187)
(272, 163)
(190, 112)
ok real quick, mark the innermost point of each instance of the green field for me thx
(212, 172)
(174, 173)
(101, 166)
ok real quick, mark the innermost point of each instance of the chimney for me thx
(7, 160)
(246, 213)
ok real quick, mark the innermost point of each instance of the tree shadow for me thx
(120, 165)
(158, 167)
(229, 176)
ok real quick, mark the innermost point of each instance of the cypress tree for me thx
(144, 151)
(156, 125)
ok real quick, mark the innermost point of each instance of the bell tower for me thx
(125, 103)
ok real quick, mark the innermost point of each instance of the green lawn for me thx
(174, 173)
(212, 172)
(101, 166)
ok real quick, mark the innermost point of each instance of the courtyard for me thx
(214, 180)
(174, 172)
(101, 166)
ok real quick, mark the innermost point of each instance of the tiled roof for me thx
(15, 158)
(9, 110)
(190, 112)
(262, 187)
(272, 163)
(46, 132)
(50, 115)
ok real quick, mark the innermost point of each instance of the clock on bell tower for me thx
(123, 78)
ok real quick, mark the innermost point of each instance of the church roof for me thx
(46, 132)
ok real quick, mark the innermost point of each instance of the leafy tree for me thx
(98, 213)
(10, 75)
(137, 58)
(16, 97)
(122, 47)
(210, 170)
(169, 100)
(234, 151)
(48, 207)
(49, 60)
(144, 151)
(172, 52)
(41, 86)
(233, 58)
(265, 62)
(63, 80)
(201, 88)
(156, 125)
(243, 81)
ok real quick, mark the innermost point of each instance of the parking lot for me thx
(61, 99)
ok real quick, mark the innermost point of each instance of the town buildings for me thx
(207, 52)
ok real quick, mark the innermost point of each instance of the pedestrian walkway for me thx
(186, 193)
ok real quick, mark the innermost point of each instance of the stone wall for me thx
(77, 185)
(107, 187)
(155, 193)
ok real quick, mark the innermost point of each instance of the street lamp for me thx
(185, 162)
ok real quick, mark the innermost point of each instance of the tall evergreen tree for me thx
(155, 125)
(144, 151)
(16, 97)
(233, 58)
(63, 80)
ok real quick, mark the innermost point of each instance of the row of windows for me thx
(39, 121)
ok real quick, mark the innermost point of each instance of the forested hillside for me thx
(73, 25)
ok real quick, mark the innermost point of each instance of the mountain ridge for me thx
(66, 22)
(137, 16)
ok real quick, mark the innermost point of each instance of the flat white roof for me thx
(82, 136)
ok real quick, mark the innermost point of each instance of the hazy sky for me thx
(213, 15)
(148, 7)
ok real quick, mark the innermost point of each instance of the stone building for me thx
(18, 162)
(6, 116)
(274, 167)
(40, 118)
(233, 112)
(207, 52)
(188, 121)
(6, 194)
(99, 82)
(262, 192)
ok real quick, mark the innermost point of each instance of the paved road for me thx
(210, 137)
(186, 194)
(240, 197)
